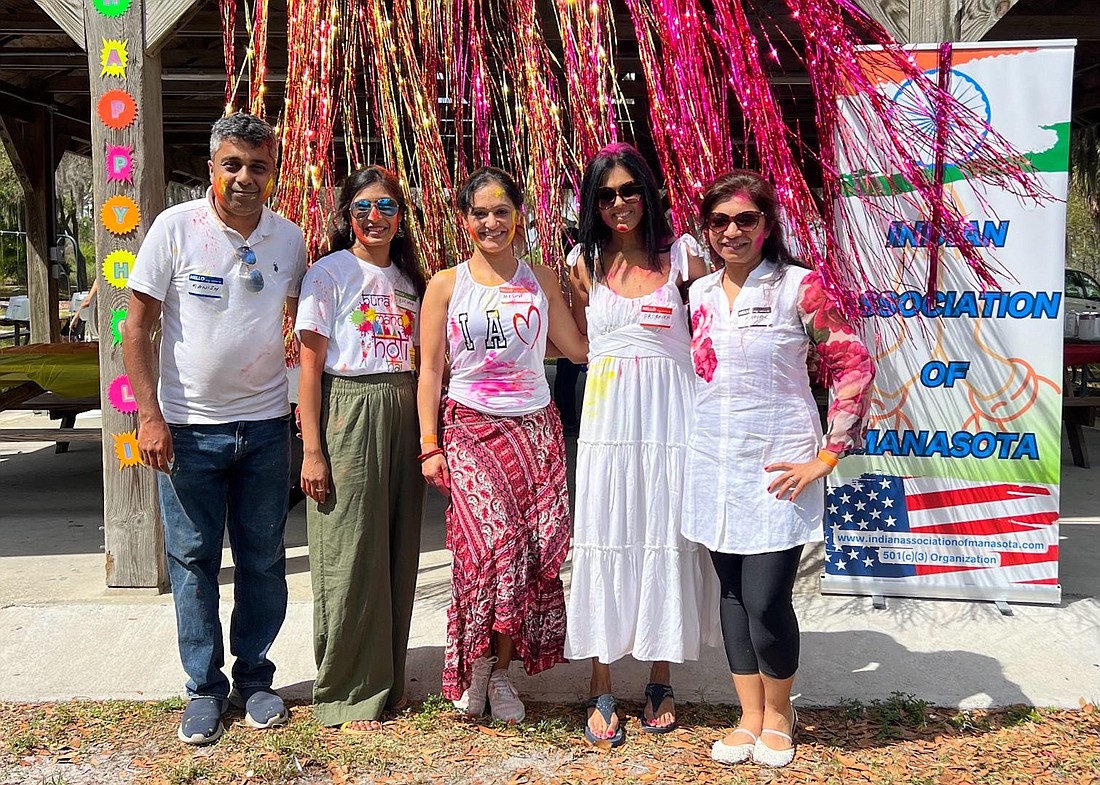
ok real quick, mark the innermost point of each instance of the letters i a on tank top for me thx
(497, 341)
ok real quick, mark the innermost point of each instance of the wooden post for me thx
(133, 534)
(31, 148)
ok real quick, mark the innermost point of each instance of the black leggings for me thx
(758, 621)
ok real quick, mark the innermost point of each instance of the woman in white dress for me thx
(638, 587)
(754, 494)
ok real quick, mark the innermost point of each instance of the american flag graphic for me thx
(936, 529)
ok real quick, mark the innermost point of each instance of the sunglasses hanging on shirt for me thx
(251, 276)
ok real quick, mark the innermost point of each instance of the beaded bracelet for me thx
(429, 454)
(827, 457)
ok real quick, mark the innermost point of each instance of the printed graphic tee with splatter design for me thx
(497, 340)
(369, 314)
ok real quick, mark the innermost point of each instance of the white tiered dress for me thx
(638, 587)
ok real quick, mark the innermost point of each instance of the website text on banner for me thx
(956, 493)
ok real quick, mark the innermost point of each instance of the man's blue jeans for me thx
(235, 475)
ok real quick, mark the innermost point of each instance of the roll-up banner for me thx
(956, 492)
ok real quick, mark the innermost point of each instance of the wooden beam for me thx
(133, 536)
(932, 21)
(162, 17)
(31, 148)
(891, 14)
(979, 17)
(69, 16)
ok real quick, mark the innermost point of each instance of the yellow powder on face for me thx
(499, 193)
(269, 188)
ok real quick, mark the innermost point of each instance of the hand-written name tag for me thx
(512, 295)
(757, 316)
(209, 286)
(656, 316)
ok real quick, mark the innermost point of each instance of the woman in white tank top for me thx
(501, 459)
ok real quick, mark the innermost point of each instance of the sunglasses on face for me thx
(385, 206)
(629, 192)
(253, 279)
(745, 221)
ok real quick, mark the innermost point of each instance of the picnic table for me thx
(1080, 395)
(61, 378)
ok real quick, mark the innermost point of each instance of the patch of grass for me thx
(851, 710)
(1020, 714)
(558, 731)
(970, 721)
(426, 716)
(188, 772)
(901, 709)
(169, 705)
(56, 779)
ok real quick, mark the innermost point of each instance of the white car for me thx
(1082, 296)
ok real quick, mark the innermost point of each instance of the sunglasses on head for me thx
(629, 192)
(745, 221)
(252, 277)
(385, 206)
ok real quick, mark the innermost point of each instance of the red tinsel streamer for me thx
(258, 56)
(833, 30)
(688, 109)
(229, 26)
(588, 36)
(541, 152)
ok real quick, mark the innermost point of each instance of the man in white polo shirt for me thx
(217, 273)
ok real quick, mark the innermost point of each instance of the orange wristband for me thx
(828, 458)
(430, 438)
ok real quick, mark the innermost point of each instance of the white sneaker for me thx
(504, 699)
(472, 701)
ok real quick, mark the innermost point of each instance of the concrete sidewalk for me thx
(62, 635)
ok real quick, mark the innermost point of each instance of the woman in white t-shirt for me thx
(502, 455)
(358, 326)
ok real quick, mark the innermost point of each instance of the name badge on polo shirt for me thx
(757, 316)
(208, 286)
(658, 316)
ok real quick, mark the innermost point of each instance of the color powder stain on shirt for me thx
(599, 385)
(503, 379)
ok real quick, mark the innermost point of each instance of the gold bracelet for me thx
(828, 458)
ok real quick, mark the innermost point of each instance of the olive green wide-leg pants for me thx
(364, 545)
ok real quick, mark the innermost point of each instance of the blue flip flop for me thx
(606, 705)
(655, 695)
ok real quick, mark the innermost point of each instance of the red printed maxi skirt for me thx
(508, 530)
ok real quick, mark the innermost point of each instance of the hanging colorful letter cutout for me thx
(126, 449)
(113, 58)
(117, 109)
(117, 318)
(120, 214)
(121, 395)
(120, 163)
(117, 266)
(111, 8)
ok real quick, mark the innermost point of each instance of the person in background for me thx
(757, 456)
(501, 459)
(638, 587)
(358, 326)
(219, 273)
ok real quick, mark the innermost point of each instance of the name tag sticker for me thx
(515, 295)
(656, 316)
(405, 297)
(208, 286)
(757, 316)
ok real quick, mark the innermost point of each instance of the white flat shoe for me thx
(733, 753)
(766, 756)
